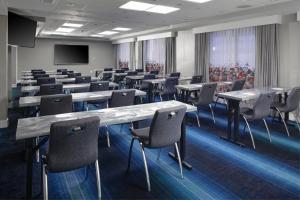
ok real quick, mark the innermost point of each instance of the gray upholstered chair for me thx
(45, 80)
(168, 88)
(107, 76)
(291, 104)
(175, 74)
(260, 110)
(155, 72)
(205, 98)
(72, 145)
(96, 87)
(83, 79)
(164, 131)
(196, 79)
(56, 104)
(50, 89)
(236, 86)
(144, 86)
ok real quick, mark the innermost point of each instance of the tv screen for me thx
(21, 30)
(71, 54)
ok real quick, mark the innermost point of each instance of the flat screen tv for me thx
(21, 30)
(71, 54)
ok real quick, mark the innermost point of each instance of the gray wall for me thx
(101, 55)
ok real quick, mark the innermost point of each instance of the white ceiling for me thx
(102, 15)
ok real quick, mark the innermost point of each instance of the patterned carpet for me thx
(221, 170)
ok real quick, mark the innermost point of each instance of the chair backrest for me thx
(45, 80)
(238, 85)
(132, 73)
(73, 144)
(56, 104)
(196, 79)
(108, 69)
(175, 74)
(38, 72)
(207, 93)
(125, 69)
(36, 76)
(165, 128)
(169, 85)
(99, 86)
(83, 79)
(293, 99)
(64, 72)
(61, 70)
(261, 107)
(77, 74)
(51, 89)
(122, 98)
(120, 70)
(139, 70)
(147, 77)
(154, 72)
(71, 75)
(106, 76)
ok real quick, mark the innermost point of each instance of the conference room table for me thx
(31, 89)
(234, 99)
(153, 82)
(29, 129)
(29, 101)
(47, 72)
(54, 76)
(58, 80)
(185, 90)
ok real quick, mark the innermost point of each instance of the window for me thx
(123, 55)
(155, 55)
(232, 55)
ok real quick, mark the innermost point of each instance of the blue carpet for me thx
(221, 170)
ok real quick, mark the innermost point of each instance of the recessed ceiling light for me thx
(96, 35)
(134, 5)
(121, 29)
(162, 9)
(199, 1)
(65, 30)
(72, 25)
(108, 33)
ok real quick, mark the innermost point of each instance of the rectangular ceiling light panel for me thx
(147, 7)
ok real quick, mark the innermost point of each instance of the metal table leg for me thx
(29, 155)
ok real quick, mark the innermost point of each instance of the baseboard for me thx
(4, 123)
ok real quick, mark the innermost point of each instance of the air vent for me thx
(49, 2)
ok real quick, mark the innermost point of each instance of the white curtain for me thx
(155, 54)
(123, 55)
(232, 55)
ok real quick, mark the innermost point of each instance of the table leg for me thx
(236, 133)
(286, 115)
(29, 155)
(182, 147)
(150, 90)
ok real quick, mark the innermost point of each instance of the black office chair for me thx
(108, 69)
(196, 79)
(36, 76)
(71, 75)
(291, 104)
(139, 70)
(73, 144)
(96, 87)
(144, 86)
(260, 111)
(119, 99)
(51, 89)
(77, 74)
(120, 70)
(129, 82)
(45, 80)
(38, 72)
(132, 73)
(168, 88)
(56, 104)
(175, 74)
(106, 76)
(164, 131)
(83, 79)
(154, 72)
(205, 98)
(61, 70)
(125, 69)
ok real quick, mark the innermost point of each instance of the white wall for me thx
(101, 55)
(185, 53)
(289, 72)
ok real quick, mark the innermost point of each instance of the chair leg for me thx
(130, 152)
(158, 154)
(216, 101)
(285, 125)
(267, 129)
(146, 167)
(179, 159)
(45, 183)
(249, 131)
(98, 179)
(37, 153)
(197, 119)
(297, 121)
(107, 137)
(212, 113)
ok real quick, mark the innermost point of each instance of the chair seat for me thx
(142, 134)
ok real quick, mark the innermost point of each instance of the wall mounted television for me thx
(21, 30)
(71, 54)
